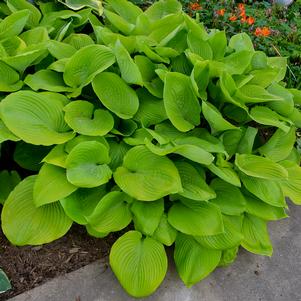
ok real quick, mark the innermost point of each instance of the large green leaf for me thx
(228, 197)
(112, 213)
(215, 119)
(47, 80)
(291, 186)
(266, 116)
(263, 210)
(81, 203)
(200, 219)
(139, 263)
(165, 233)
(87, 165)
(17, 5)
(256, 236)
(280, 145)
(193, 261)
(268, 191)
(130, 72)
(227, 174)
(83, 119)
(13, 24)
(116, 95)
(146, 176)
(147, 215)
(231, 237)
(86, 63)
(80, 4)
(51, 185)
(260, 167)
(25, 224)
(36, 118)
(9, 79)
(181, 104)
(194, 186)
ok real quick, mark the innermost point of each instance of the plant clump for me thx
(124, 118)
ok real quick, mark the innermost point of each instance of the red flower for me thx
(258, 32)
(265, 31)
(251, 20)
(232, 18)
(195, 6)
(221, 12)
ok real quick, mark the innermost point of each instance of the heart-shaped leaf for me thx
(139, 263)
(146, 176)
(25, 224)
(116, 95)
(36, 118)
(87, 165)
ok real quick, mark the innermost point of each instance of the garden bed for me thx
(28, 267)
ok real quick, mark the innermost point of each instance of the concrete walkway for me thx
(250, 278)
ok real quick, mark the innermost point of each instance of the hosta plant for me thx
(146, 121)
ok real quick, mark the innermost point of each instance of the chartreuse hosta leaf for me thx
(260, 167)
(6, 134)
(256, 237)
(36, 118)
(57, 156)
(129, 70)
(147, 215)
(193, 261)
(227, 174)
(13, 24)
(151, 109)
(139, 263)
(116, 95)
(165, 233)
(146, 176)
(279, 146)
(268, 191)
(263, 210)
(196, 218)
(87, 165)
(81, 204)
(86, 63)
(47, 80)
(83, 119)
(8, 181)
(228, 197)
(181, 104)
(215, 119)
(266, 116)
(194, 186)
(291, 186)
(9, 79)
(25, 224)
(17, 5)
(80, 4)
(112, 213)
(228, 256)
(51, 185)
(230, 238)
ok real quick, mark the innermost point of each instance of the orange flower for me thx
(258, 32)
(241, 6)
(243, 19)
(195, 6)
(232, 18)
(221, 12)
(265, 31)
(242, 14)
(251, 20)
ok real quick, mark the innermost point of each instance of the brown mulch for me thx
(28, 267)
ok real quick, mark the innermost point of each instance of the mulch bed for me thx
(28, 267)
